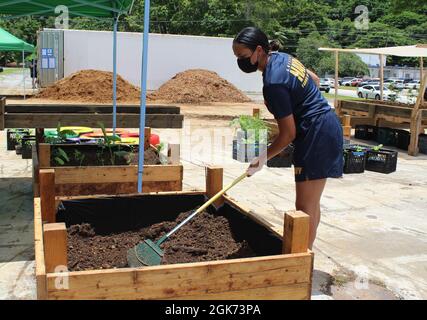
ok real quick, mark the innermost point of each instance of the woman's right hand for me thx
(255, 166)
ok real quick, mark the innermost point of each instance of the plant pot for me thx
(283, 159)
(18, 149)
(382, 161)
(27, 150)
(245, 152)
(11, 137)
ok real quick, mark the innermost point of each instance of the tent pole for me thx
(382, 76)
(421, 76)
(115, 74)
(336, 78)
(23, 70)
(143, 93)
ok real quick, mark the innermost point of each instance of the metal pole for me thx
(115, 74)
(381, 77)
(143, 93)
(23, 70)
(336, 78)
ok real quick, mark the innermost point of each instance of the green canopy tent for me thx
(8, 42)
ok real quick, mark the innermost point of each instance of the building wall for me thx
(168, 55)
(396, 72)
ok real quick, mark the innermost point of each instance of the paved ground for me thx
(13, 83)
(372, 240)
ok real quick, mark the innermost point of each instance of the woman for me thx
(303, 116)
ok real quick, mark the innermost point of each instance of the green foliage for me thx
(377, 148)
(79, 157)
(392, 22)
(60, 156)
(251, 126)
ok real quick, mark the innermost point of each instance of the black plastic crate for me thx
(283, 159)
(403, 139)
(245, 152)
(354, 161)
(387, 136)
(422, 143)
(383, 161)
(366, 132)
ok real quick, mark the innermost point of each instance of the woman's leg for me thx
(308, 194)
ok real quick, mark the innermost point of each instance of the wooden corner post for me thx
(147, 135)
(47, 195)
(214, 177)
(256, 112)
(296, 232)
(55, 246)
(44, 155)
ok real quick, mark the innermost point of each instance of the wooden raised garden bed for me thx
(279, 268)
(49, 115)
(120, 178)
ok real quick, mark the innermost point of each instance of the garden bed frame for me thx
(112, 180)
(40, 116)
(283, 276)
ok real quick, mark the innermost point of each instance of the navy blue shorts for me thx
(318, 152)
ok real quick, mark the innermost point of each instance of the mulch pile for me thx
(206, 237)
(90, 86)
(198, 86)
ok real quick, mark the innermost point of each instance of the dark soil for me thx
(206, 237)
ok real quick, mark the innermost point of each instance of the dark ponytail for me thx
(252, 37)
(274, 45)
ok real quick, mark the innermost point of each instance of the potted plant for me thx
(12, 135)
(250, 139)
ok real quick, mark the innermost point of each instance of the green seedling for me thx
(79, 157)
(252, 126)
(60, 156)
(109, 142)
(377, 148)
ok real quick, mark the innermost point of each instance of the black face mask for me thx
(246, 66)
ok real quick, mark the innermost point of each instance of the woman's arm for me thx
(314, 77)
(287, 134)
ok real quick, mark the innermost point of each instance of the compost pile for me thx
(206, 237)
(198, 86)
(90, 86)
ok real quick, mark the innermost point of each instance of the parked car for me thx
(324, 85)
(346, 81)
(330, 81)
(355, 82)
(372, 82)
(373, 92)
(414, 84)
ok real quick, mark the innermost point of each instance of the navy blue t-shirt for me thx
(289, 89)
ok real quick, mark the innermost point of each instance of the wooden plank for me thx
(346, 131)
(46, 120)
(416, 120)
(256, 112)
(40, 270)
(297, 291)
(88, 109)
(47, 195)
(163, 193)
(115, 188)
(44, 155)
(296, 232)
(214, 184)
(55, 246)
(35, 173)
(187, 280)
(2, 112)
(346, 120)
(123, 174)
